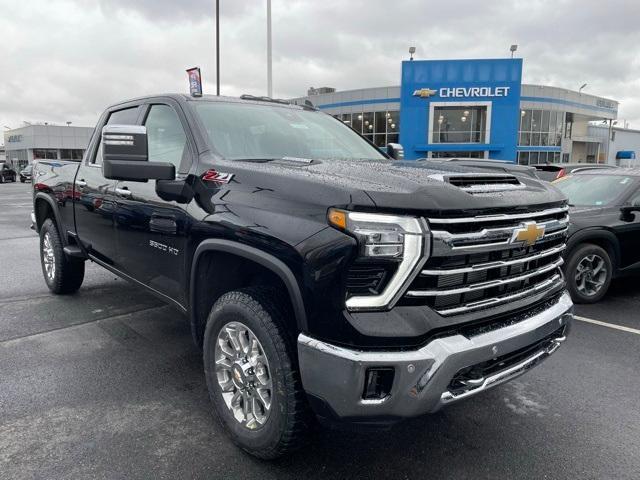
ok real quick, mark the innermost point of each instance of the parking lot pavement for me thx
(106, 383)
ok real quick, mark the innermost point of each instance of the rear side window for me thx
(128, 116)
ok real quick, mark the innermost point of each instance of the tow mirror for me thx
(395, 151)
(125, 155)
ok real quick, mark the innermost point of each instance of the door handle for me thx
(81, 183)
(163, 224)
(124, 192)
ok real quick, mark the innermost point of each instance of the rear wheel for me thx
(62, 275)
(252, 374)
(588, 272)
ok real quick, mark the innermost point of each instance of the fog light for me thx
(378, 383)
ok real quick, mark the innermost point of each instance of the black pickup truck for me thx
(321, 277)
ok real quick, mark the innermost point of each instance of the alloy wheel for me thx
(48, 257)
(243, 374)
(591, 275)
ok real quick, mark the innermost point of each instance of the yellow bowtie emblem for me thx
(529, 233)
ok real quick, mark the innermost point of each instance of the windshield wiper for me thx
(306, 161)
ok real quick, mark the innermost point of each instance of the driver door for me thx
(152, 232)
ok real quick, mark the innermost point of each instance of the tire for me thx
(283, 427)
(61, 274)
(22, 180)
(588, 272)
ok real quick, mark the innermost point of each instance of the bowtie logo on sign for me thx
(463, 92)
(424, 92)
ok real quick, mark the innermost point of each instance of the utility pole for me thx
(218, 47)
(269, 72)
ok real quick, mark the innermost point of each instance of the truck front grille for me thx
(484, 261)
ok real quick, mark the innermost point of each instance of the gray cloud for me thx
(65, 60)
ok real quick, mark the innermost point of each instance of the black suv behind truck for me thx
(318, 275)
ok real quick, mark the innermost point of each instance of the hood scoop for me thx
(481, 182)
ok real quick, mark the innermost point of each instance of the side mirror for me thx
(125, 157)
(395, 151)
(627, 211)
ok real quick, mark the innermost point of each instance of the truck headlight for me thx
(384, 237)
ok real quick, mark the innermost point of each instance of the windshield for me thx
(593, 190)
(247, 131)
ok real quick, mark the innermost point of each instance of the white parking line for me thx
(605, 324)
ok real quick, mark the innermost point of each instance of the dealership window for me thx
(531, 158)
(477, 154)
(465, 124)
(381, 127)
(45, 154)
(71, 154)
(540, 128)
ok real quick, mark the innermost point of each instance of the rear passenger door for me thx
(94, 195)
(152, 232)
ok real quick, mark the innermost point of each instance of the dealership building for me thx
(480, 109)
(53, 142)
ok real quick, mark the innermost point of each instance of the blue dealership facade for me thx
(478, 109)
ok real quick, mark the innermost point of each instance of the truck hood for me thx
(404, 185)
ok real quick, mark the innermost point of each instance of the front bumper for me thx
(334, 376)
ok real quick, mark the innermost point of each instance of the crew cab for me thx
(322, 277)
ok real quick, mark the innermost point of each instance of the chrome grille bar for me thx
(490, 302)
(501, 216)
(497, 264)
(483, 285)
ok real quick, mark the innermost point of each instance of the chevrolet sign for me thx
(463, 92)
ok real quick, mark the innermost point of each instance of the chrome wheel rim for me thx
(242, 371)
(591, 275)
(48, 257)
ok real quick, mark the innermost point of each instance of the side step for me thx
(74, 251)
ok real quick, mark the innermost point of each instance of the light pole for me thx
(269, 70)
(218, 47)
(581, 87)
(513, 49)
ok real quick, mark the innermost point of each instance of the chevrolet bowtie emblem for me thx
(529, 233)
(424, 92)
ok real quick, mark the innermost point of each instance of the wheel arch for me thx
(598, 236)
(249, 256)
(44, 207)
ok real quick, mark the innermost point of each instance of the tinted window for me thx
(593, 190)
(128, 116)
(165, 135)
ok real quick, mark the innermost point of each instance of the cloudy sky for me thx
(65, 60)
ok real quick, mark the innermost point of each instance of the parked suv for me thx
(604, 235)
(7, 174)
(318, 275)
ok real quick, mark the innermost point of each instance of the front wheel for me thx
(62, 275)
(588, 272)
(252, 374)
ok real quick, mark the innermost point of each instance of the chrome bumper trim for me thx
(336, 374)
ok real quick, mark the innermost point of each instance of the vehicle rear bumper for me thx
(334, 377)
